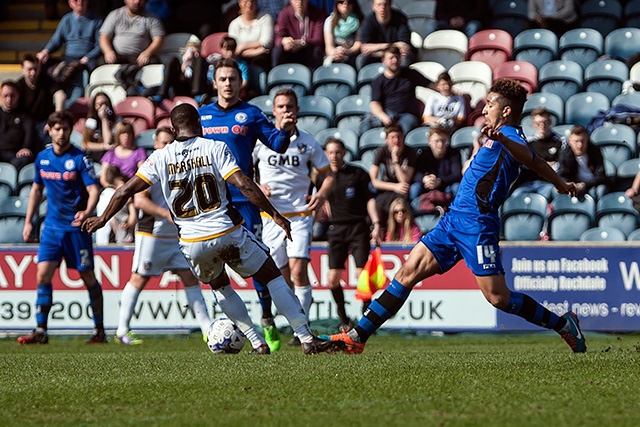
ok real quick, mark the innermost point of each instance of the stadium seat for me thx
(163, 110)
(418, 138)
(563, 130)
(348, 136)
(426, 221)
(581, 107)
(257, 79)
(25, 178)
(462, 140)
(616, 210)
(366, 158)
(173, 44)
(473, 78)
(632, 14)
(151, 75)
(418, 16)
(581, 45)
(523, 216)
(316, 113)
(367, 74)
(294, 76)
(563, 78)
(537, 46)
(570, 217)
(371, 139)
(76, 138)
(140, 111)
(335, 81)
(606, 77)
(447, 47)
(8, 180)
(625, 174)
(114, 91)
(145, 139)
(13, 207)
(630, 99)
(429, 69)
(79, 108)
(601, 15)
(211, 44)
(493, 47)
(350, 110)
(603, 234)
(11, 230)
(552, 102)
(104, 74)
(264, 103)
(622, 43)
(509, 15)
(634, 236)
(617, 142)
(525, 72)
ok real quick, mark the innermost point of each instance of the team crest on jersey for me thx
(241, 117)
(302, 148)
(69, 164)
(184, 153)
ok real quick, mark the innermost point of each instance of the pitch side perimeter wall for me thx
(599, 282)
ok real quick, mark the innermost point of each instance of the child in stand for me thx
(228, 47)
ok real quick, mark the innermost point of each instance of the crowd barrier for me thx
(600, 282)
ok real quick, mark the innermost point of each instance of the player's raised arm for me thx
(257, 197)
(119, 199)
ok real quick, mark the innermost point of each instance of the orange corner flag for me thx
(372, 277)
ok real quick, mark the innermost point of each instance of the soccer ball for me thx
(224, 337)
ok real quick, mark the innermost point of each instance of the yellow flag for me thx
(372, 277)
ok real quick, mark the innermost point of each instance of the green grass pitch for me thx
(457, 380)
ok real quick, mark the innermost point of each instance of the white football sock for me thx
(304, 295)
(289, 306)
(128, 300)
(197, 303)
(235, 309)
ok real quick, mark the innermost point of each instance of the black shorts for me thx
(345, 237)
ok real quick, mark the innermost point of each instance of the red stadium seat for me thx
(493, 47)
(525, 72)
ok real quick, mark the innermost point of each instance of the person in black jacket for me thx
(581, 162)
(461, 15)
(18, 142)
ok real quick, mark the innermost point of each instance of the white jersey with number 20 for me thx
(192, 176)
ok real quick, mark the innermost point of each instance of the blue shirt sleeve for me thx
(277, 140)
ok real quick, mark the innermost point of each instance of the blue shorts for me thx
(74, 245)
(251, 216)
(474, 238)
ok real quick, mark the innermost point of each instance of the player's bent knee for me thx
(220, 282)
(267, 272)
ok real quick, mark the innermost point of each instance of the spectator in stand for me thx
(199, 17)
(382, 28)
(131, 35)
(299, 38)
(253, 31)
(97, 135)
(124, 222)
(462, 15)
(341, 37)
(399, 163)
(186, 76)
(547, 144)
(350, 202)
(393, 96)
(79, 33)
(439, 169)
(37, 95)
(581, 162)
(125, 157)
(17, 144)
(558, 16)
(444, 108)
(400, 226)
(228, 47)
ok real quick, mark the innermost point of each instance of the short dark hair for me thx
(165, 129)
(393, 127)
(184, 116)
(540, 111)
(285, 91)
(579, 130)
(334, 140)
(393, 49)
(11, 84)
(228, 43)
(444, 76)
(29, 57)
(513, 94)
(60, 117)
(439, 130)
(226, 62)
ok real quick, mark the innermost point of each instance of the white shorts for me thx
(155, 255)
(281, 250)
(239, 249)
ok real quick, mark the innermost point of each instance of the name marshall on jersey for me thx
(189, 164)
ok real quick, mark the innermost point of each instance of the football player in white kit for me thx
(193, 173)
(156, 251)
(285, 180)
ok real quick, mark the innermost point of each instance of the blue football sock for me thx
(381, 309)
(44, 300)
(529, 309)
(265, 298)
